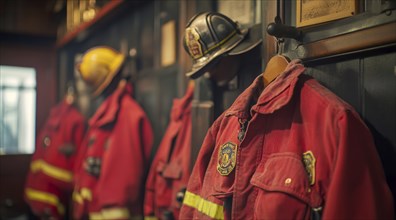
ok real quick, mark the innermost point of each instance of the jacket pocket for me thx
(172, 171)
(283, 189)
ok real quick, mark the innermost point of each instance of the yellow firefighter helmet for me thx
(98, 67)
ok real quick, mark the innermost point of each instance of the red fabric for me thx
(293, 115)
(65, 125)
(37, 182)
(170, 168)
(121, 136)
(70, 134)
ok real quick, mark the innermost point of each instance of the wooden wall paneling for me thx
(165, 77)
(157, 34)
(41, 22)
(145, 52)
(379, 97)
(202, 116)
(269, 43)
(168, 17)
(372, 5)
(131, 25)
(66, 69)
(204, 6)
(63, 73)
(146, 94)
(167, 93)
(342, 77)
(345, 26)
(360, 33)
(107, 14)
(155, 91)
(364, 39)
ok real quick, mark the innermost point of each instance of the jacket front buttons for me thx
(47, 141)
(91, 141)
(288, 181)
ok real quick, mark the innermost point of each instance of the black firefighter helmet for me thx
(210, 35)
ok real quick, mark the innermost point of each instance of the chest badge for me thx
(309, 164)
(226, 158)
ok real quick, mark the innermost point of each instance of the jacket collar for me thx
(107, 111)
(58, 112)
(276, 95)
(181, 106)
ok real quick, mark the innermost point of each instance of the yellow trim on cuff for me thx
(52, 171)
(77, 197)
(44, 197)
(86, 194)
(110, 214)
(206, 207)
(150, 218)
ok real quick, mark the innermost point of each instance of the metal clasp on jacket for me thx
(93, 166)
(316, 213)
(242, 131)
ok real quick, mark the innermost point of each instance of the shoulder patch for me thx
(226, 158)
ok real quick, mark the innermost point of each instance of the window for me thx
(17, 109)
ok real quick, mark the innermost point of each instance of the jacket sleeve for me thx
(195, 182)
(146, 139)
(44, 199)
(358, 189)
(149, 194)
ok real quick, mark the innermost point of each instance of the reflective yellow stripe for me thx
(86, 194)
(52, 171)
(35, 166)
(95, 216)
(77, 197)
(45, 197)
(206, 207)
(110, 214)
(150, 218)
(220, 43)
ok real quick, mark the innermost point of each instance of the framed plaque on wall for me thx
(310, 12)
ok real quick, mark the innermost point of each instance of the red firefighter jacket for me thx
(170, 169)
(111, 173)
(49, 182)
(291, 151)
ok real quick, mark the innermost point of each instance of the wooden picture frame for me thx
(168, 43)
(310, 12)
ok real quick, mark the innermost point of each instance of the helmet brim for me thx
(249, 40)
(252, 39)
